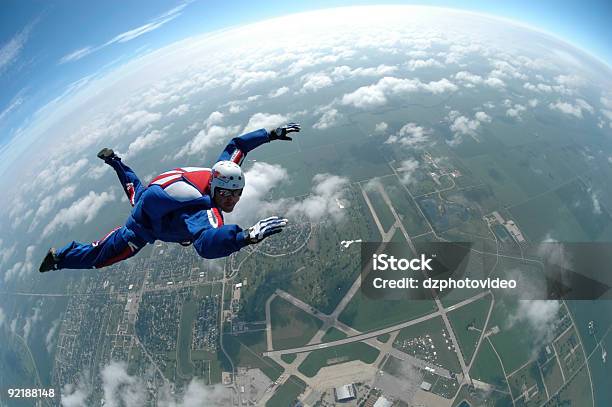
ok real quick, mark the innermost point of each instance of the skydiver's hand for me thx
(280, 133)
(264, 228)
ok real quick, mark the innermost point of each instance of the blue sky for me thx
(46, 46)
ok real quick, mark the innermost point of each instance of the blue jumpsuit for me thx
(175, 207)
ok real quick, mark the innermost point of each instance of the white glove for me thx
(280, 133)
(264, 228)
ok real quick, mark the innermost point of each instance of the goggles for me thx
(228, 192)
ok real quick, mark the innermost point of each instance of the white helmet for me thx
(226, 175)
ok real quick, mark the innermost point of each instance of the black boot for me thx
(50, 262)
(107, 154)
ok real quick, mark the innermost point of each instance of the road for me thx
(360, 336)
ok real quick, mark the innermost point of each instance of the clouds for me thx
(30, 322)
(243, 79)
(415, 64)
(20, 268)
(76, 395)
(329, 118)
(328, 189)
(541, 316)
(56, 174)
(264, 121)
(376, 95)
(206, 139)
(365, 97)
(381, 127)
(237, 106)
(469, 80)
(515, 111)
(278, 92)
(6, 252)
(575, 110)
(49, 338)
(48, 203)
(144, 142)
(261, 179)
(320, 204)
(406, 170)
(179, 111)
(483, 117)
(345, 72)
(314, 82)
(464, 126)
(129, 35)
(410, 135)
(2, 317)
(81, 211)
(121, 389)
(10, 50)
(198, 394)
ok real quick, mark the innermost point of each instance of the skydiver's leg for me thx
(120, 244)
(129, 180)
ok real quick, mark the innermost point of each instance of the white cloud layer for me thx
(121, 389)
(206, 139)
(129, 35)
(410, 135)
(10, 50)
(264, 121)
(329, 118)
(381, 127)
(376, 95)
(575, 109)
(327, 191)
(406, 170)
(81, 211)
(278, 92)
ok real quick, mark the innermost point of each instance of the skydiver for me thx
(184, 205)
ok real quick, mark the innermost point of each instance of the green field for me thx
(479, 398)
(246, 350)
(287, 393)
(409, 214)
(366, 314)
(207, 366)
(188, 313)
(320, 273)
(288, 357)
(444, 387)
(575, 393)
(471, 315)
(539, 216)
(527, 383)
(335, 355)
(384, 214)
(486, 367)
(516, 342)
(552, 375)
(434, 328)
(333, 334)
(570, 352)
(291, 327)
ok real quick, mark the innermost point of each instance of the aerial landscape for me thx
(419, 125)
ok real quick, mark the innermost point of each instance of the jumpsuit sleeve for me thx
(238, 147)
(220, 242)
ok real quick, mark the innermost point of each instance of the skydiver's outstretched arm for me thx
(238, 147)
(227, 239)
